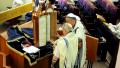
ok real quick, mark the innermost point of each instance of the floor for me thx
(98, 64)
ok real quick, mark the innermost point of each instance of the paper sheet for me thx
(31, 49)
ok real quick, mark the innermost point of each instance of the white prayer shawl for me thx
(67, 53)
(80, 32)
(118, 26)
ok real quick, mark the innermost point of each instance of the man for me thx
(80, 33)
(66, 48)
(17, 3)
(114, 28)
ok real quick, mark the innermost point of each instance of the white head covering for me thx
(73, 15)
(77, 20)
(17, 3)
(68, 27)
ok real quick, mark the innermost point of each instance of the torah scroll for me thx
(44, 29)
(48, 27)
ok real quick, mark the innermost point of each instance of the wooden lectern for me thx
(11, 59)
(36, 23)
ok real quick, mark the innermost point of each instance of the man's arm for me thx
(54, 59)
(55, 56)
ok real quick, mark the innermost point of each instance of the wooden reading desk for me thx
(17, 61)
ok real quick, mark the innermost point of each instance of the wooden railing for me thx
(4, 60)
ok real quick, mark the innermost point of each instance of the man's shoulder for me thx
(60, 40)
(79, 24)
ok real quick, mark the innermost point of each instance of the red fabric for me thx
(26, 42)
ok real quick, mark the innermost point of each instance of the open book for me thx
(31, 49)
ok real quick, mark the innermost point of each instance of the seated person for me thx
(115, 29)
(17, 3)
(66, 48)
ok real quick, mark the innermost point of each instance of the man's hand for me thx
(80, 42)
(57, 35)
(54, 59)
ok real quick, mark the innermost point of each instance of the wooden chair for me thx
(91, 53)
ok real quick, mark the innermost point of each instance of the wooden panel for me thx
(4, 48)
(91, 45)
(1, 60)
(16, 60)
(53, 25)
(44, 62)
(0, 43)
(36, 31)
(8, 60)
(15, 12)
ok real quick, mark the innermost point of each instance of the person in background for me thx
(114, 28)
(17, 3)
(66, 48)
(79, 30)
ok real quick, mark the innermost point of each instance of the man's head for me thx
(71, 18)
(67, 28)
